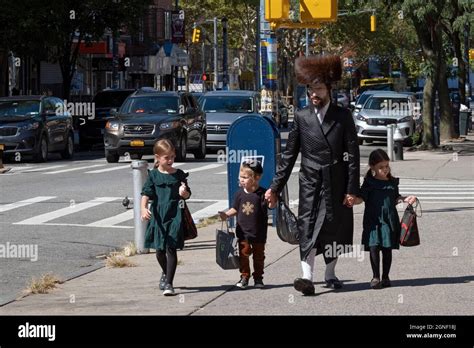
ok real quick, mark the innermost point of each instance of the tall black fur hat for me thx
(313, 69)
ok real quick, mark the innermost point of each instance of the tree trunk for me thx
(428, 111)
(446, 115)
(456, 39)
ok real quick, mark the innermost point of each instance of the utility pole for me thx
(224, 54)
(115, 62)
(257, 52)
(215, 53)
(176, 67)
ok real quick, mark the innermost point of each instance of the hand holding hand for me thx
(271, 198)
(349, 200)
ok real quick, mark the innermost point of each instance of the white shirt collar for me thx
(322, 112)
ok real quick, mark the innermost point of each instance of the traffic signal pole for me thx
(215, 53)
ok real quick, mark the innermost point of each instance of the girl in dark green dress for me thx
(381, 222)
(166, 187)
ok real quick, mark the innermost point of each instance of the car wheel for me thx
(112, 157)
(200, 153)
(181, 150)
(68, 151)
(136, 156)
(42, 154)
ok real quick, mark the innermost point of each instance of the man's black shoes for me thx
(333, 283)
(304, 285)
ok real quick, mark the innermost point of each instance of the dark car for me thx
(147, 116)
(91, 130)
(222, 108)
(35, 125)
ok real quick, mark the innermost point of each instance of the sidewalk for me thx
(434, 278)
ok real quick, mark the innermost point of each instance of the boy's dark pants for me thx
(247, 248)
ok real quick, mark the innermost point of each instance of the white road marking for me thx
(108, 169)
(7, 207)
(40, 219)
(74, 169)
(198, 169)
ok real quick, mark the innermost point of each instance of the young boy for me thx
(250, 207)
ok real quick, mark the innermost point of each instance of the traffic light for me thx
(205, 77)
(320, 10)
(196, 35)
(276, 9)
(373, 23)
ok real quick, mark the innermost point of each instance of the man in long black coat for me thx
(325, 135)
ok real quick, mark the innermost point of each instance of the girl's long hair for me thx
(376, 157)
(163, 147)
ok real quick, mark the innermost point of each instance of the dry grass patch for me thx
(42, 285)
(130, 249)
(118, 260)
(208, 221)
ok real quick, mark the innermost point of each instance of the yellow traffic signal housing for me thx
(373, 23)
(277, 10)
(318, 10)
(196, 35)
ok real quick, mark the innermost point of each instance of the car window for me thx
(19, 107)
(228, 104)
(151, 105)
(383, 103)
(110, 99)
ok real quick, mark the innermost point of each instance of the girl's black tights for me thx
(375, 261)
(168, 261)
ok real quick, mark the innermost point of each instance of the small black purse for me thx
(410, 235)
(189, 228)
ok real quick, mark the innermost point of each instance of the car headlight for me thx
(112, 126)
(169, 125)
(405, 119)
(30, 126)
(361, 118)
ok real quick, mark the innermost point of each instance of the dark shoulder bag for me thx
(410, 235)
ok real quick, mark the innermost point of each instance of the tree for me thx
(54, 29)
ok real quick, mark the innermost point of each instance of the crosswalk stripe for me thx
(209, 166)
(40, 169)
(438, 193)
(20, 169)
(432, 189)
(108, 169)
(441, 199)
(114, 220)
(39, 219)
(74, 169)
(10, 206)
(210, 210)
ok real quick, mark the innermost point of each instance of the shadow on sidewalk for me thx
(441, 210)
(409, 282)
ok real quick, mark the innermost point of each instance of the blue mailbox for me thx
(251, 137)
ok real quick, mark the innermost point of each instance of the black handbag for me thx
(287, 224)
(410, 235)
(189, 228)
(227, 248)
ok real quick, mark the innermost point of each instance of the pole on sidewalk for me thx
(140, 172)
(398, 144)
(390, 131)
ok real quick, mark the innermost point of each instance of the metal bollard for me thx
(390, 131)
(140, 173)
(398, 148)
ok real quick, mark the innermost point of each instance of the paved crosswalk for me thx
(56, 216)
(428, 192)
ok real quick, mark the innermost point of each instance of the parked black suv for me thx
(149, 115)
(91, 130)
(35, 125)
